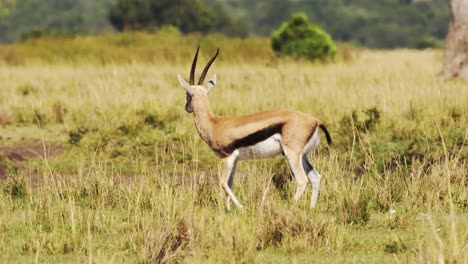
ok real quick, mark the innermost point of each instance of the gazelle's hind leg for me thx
(294, 159)
(226, 179)
(314, 178)
(313, 175)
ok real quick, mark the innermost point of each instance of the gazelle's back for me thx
(283, 127)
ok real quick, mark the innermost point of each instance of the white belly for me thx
(268, 148)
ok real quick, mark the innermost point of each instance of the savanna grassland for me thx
(101, 164)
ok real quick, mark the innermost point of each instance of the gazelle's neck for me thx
(203, 117)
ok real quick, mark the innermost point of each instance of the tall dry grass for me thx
(136, 184)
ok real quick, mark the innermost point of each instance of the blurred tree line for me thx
(375, 24)
(370, 23)
(22, 18)
(186, 15)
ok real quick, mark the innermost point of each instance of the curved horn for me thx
(192, 70)
(207, 67)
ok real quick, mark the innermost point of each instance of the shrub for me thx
(16, 186)
(300, 38)
(362, 121)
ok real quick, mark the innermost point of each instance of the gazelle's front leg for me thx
(226, 179)
(230, 183)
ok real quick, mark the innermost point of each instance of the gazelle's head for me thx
(194, 91)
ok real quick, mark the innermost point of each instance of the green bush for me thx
(300, 38)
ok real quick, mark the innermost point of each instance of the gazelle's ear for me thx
(184, 84)
(211, 83)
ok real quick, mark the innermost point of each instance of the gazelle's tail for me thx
(327, 134)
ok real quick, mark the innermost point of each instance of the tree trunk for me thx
(456, 46)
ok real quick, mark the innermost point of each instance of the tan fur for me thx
(263, 134)
(219, 131)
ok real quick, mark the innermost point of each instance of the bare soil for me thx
(23, 151)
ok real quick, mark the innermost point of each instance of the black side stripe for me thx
(255, 137)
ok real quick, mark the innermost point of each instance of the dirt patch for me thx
(30, 150)
(23, 151)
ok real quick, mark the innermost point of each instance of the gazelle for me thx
(265, 134)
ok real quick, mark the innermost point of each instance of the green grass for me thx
(133, 182)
